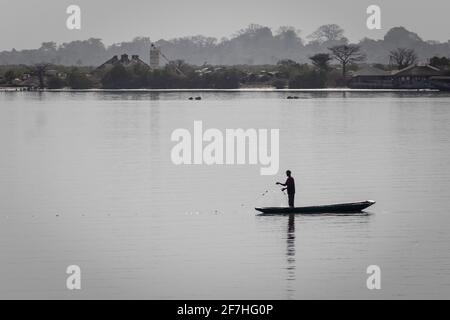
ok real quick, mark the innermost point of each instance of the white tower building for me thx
(154, 57)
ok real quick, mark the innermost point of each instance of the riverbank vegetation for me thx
(330, 69)
(253, 57)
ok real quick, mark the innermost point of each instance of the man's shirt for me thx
(290, 184)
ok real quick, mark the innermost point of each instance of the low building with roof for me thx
(371, 78)
(412, 77)
(124, 61)
(416, 77)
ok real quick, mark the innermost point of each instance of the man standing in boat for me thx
(290, 187)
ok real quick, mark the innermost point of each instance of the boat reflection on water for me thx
(350, 221)
(290, 256)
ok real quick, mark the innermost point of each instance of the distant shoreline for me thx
(18, 89)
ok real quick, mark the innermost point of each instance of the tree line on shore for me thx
(253, 45)
(328, 69)
(254, 56)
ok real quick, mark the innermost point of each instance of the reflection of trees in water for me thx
(290, 256)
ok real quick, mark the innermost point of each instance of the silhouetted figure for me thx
(290, 187)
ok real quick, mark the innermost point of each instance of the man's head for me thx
(288, 173)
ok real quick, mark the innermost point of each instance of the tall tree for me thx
(39, 71)
(289, 35)
(347, 54)
(441, 63)
(48, 46)
(328, 32)
(10, 75)
(287, 67)
(321, 61)
(402, 58)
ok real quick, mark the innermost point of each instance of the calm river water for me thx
(86, 179)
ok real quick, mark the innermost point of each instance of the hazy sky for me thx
(25, 24)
